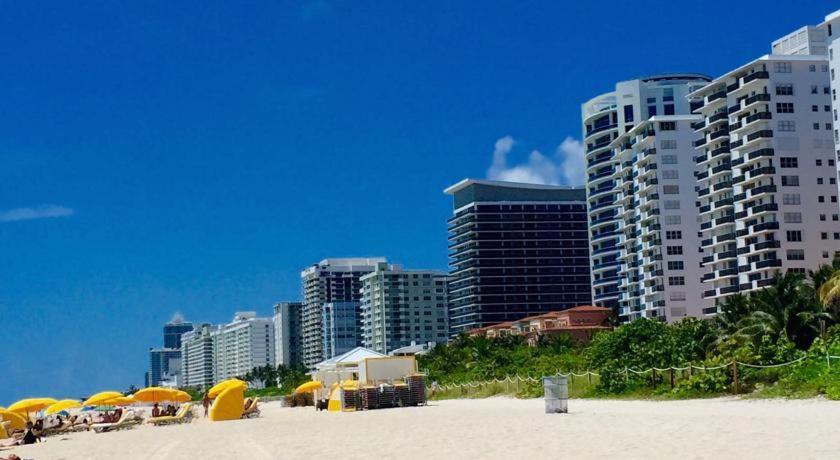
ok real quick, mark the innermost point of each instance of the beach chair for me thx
(128, 420)
(253, 411)
(183, 415)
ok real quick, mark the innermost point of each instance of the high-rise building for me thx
(605, 118)
(242, 345)
(329, 281)
(162, 361)
(287, 333)
(517, 250)
(831, 26)
(173, 330)
(165, 362)
(767, 169)
(659, 272)
(197, 356)
(403, 307)
(341, 327)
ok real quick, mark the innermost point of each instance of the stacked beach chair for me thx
(417, 389)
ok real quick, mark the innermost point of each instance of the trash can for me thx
(556, 394)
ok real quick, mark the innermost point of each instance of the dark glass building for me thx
(173, 330)
(516, 250)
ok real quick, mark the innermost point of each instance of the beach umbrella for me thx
(181, 396)
(101, 397)
(31, 404)
(62, 405)
(18, 421)
(120, 401)
(309, 386)
(153, 395)
(224, 385)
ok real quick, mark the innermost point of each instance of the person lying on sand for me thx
(10, 457)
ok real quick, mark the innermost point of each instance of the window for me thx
(822, 217)
(677, 295)
(834, 198)
(668, 94)
(669, 109)
(628, 113)
(824, 67)
(668, 126)
(672, 204)
(668, 144)
(673, 220)
(670, 174)
(824, 235)
(815, 89)
(836, 236)
(676, 281)
(832, 181)
(819, 181)
(812, 68)
(673, 235)
(828, 126)
(821, 199)
(787, 125)
(784, 107)
(669, 159)
(793, 217)
(784, 90)
(789, 162)
(782, 67)
(815, 108)
(826, 108)
(819, 162)
(816, 126)
(791, 199)
(676, 265)
(790, 181)
(831, 162)
(674, 250)
(794, 235)
(651, 111)
(671, 189)
(795, 254)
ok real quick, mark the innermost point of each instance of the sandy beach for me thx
(502, 428)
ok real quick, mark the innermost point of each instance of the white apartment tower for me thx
(766, 170)
(197, 356)
(330, 281)
(659, 267)
(242, 345)
(401, 307)
(604, 119)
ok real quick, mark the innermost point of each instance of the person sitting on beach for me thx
(170, 410)
(206, 402)
(30, 435)
(248, 403)
(115, 417)
(155, 411)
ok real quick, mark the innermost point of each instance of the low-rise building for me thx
(578, 322)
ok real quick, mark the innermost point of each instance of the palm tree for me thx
(788, 308)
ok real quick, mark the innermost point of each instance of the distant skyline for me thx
(195, 157)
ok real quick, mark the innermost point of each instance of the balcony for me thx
(718, 117)
(720, 151)
(722, 167)
(597, 146)
(599, 129)
(763, 189)
(759, 171)
(606, 173)
(759, 75)
(768, 263)
(599, 160)
(713, 97)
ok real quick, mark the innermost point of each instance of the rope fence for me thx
(627, 371)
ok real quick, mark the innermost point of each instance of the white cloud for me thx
(565, 167)
(40, 212)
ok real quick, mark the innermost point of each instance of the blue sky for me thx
(193, 156)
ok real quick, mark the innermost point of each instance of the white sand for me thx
(490, 428)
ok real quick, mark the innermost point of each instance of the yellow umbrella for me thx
(64, 404)
(153, 394)
(31, 404)
(309, 386)
(181, 396)
(99, 398)
(18, 421)
(224, 385)
(119, 401)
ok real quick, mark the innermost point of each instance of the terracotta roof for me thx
(586, 308)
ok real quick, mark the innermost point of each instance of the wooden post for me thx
(589, 377)
(690, 371)
(653, 377)
(735, 377)
(671, 376)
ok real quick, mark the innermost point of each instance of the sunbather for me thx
(156, 411)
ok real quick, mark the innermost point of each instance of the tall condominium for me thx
(173, 330)
(401, 307)
(163, 363)
(197, 356)
(287, 333)
(328, 281)
(604, 119)
(242, 345)
(766, 172)
(831, 26)
(659, 266)
(517, 250)
(341, 328)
